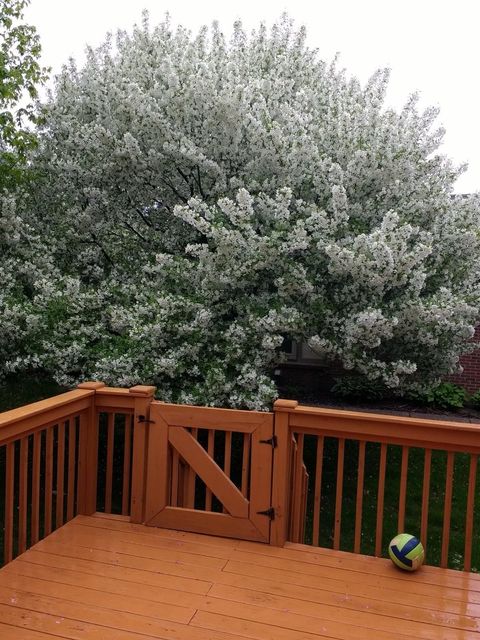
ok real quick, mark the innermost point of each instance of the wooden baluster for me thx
(127, 461)
(403, 490)
(339, 494)
(472, 479)
(48, 481)
(447, 510)
(109, 464)
(359, 501)
(189, 500)
(72, 456)
(298, 480)
(317, 499)
(427, 465)
(22, 498)
(210, 450)
(380, 499)
(292, 493)
(60, 473)
(245, 463)
(35, 524)
(9, 507)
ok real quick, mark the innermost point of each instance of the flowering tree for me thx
(201, 199)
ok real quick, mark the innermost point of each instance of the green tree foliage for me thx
(199, 199)
(20, 74)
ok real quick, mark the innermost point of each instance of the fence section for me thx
(371, 476)
(41, 447)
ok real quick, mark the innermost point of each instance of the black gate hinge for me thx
(268, 512)
(143, 420)
(271, 441)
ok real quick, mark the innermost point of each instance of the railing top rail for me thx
(381, 427)
(299, 409)
(23, 419)
(42, 406)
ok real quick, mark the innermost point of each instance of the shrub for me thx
(444, 395)
(357, 388)
(474, 399)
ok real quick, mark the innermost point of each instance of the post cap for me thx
(91, 385)
(142, 390)
(284, 405)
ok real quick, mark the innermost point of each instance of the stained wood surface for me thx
(108, 579)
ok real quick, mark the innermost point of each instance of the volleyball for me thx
(406, 551)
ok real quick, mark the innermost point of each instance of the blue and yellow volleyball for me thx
(406, 551)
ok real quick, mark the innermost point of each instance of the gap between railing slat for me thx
(109, 462)
(317, 498)
(403, 490)
(447, 509)
(472, 479)
(127, 457)
(48, 481)
(339, 494)
(22, 495)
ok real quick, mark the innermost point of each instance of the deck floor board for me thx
(108, 579)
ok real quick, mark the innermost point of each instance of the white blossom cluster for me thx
(198, 200)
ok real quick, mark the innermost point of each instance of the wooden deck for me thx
(103, 578)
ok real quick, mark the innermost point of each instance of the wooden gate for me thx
(210, 471)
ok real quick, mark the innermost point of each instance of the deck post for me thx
(281, 471)
(143, 397)
(88, 455)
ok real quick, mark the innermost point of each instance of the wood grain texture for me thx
(108, 579)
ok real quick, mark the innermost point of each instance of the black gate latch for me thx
(143, 419)
(268, 512)
(271, 441)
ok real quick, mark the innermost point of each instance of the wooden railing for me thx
(42, 449)
(340, 479)
(68, 455)
(371, 476)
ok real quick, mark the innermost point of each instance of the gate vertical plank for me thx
(261, 462)
(72, 453)
(157, 481)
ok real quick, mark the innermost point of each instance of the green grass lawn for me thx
(392, 488)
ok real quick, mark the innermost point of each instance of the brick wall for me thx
(470, 377)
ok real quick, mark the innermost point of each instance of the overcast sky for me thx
(431, 46)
